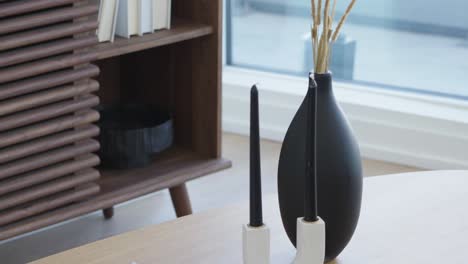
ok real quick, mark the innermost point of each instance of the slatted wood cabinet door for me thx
(47, 148)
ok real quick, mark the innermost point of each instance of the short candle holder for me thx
(256, 244)
(310, 242)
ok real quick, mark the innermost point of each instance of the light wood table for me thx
(406, 218)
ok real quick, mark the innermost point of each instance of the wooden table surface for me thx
(406, 218)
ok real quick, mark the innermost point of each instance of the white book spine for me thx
(99, 21)
(161, 14)
(145, 13)
(156, 7)
(114, 21)
(127, 18)
(122, 20)
(98, 2)
(169, 14)
(133, 19)
(106, 19)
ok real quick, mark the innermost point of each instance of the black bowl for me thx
(131, 134)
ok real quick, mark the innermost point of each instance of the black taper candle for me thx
(256, 218)
(310, 193)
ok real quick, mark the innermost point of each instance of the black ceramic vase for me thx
(339, 171)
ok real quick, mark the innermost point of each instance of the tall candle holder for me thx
(255, 235)
(310, 228)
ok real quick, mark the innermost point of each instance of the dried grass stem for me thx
(322, 43)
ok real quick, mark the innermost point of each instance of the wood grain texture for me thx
(48, 158)
(47, 143)
(192, 47)
(46, 81)
(142, 181)
(47, 112)
(45, 128)
(48, 173)
(110, 80)
(45, 106)
(392, 229)
(180, 31)
(44, 66)
(114, 192)
(49, 188)
(42, 98)
(25, 6)
(34, 36)
(47, 17)
(47, 49)
(48, 203)
(142, 68)
(203, 60)
(181, 200)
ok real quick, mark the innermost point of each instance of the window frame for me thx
(418, 130)
(422, 130)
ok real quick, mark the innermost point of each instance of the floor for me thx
(217, 190)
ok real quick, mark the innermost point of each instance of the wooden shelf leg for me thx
(180, 200)
(108, 212)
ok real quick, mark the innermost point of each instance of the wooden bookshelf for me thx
(177, 69)
(181, 30)
(173, 168)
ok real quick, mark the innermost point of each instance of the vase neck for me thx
(323, 80)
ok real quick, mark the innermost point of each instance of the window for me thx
(417, 46)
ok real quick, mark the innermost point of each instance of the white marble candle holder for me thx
(310, 242)
(256, 244)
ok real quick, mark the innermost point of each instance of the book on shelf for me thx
(145, 13)
(162, 14)
(127, 19)
(107, 18)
